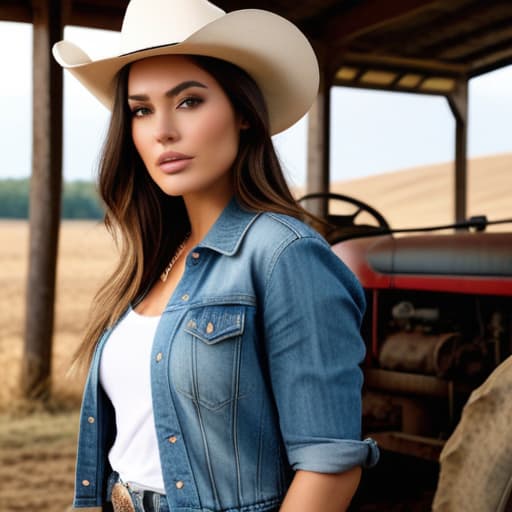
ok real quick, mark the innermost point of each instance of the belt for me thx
(121, 498)
(131, 498)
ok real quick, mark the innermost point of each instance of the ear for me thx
(244, 124)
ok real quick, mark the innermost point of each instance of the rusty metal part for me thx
(401, 382)
(422, 447)
(419, 353)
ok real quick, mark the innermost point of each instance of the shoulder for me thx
(277, 227)
(283, 242)
(295, 252)
(272, 239)
(272, 236)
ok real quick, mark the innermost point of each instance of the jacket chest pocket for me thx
(206, 355)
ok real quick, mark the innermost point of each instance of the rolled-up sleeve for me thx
(312, 314)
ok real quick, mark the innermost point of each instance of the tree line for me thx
(80, 200)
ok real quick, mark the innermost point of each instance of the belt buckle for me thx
(121, 498)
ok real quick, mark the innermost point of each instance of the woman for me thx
(224, 349)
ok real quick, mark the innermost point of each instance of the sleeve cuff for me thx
(334, 456)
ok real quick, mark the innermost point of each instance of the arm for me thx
(311, 492)
(312, 314)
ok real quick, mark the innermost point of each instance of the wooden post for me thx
(319, 130)
(458, 101)
(45, 199)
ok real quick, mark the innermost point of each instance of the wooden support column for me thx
(458, 101)
(319, 130)
(45, 199)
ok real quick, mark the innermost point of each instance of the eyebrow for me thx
(171, 92)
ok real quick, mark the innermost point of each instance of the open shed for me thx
(418, 46)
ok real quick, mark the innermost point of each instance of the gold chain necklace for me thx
(177, 254)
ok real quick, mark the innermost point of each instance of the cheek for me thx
(142, 140)
(221, 135)
(137, 140)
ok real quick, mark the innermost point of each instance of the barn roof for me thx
(409, 45)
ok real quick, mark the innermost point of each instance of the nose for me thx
(165, 130)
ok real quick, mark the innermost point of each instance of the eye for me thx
(140, 111)
(190, 102)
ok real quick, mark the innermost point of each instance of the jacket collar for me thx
(226, 235)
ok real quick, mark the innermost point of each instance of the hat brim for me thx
(268, 47)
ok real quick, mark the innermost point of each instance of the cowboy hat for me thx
(271, 49)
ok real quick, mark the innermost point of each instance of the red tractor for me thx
(438, 325)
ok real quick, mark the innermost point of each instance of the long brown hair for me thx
(147, 224)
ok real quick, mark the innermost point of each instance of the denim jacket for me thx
(254, 371)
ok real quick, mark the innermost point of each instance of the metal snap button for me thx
(209, 328)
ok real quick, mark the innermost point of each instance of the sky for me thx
(372, 131)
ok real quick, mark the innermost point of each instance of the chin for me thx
(174, 186)
(171, 192)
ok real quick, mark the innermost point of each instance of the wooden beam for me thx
(318, 173)
(491, 54)
(370, 15)
(490, 63)
(105, 17)
(458, 102)
(450, 25)
(395, 63)
(461, 45)
(45, 199)
(20, 12)
(396, 88)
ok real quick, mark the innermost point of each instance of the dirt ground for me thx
(37, 460)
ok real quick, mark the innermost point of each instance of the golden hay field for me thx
(37, 451)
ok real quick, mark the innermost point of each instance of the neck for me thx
(203, 213)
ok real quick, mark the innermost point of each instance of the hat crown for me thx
(152, 23)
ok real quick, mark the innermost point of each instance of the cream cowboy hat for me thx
(268, 47)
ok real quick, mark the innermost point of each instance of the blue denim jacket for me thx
(254, 371)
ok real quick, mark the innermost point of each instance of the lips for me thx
(171, 162)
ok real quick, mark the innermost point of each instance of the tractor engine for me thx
(438, 322)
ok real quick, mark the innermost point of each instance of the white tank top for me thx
(125, 377)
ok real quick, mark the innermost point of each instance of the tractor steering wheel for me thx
(345, 226)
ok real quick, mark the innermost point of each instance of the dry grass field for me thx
(37, 450)
(85, 256)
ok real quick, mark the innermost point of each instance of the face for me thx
(183, 126)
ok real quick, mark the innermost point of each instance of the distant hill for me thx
(423, 196)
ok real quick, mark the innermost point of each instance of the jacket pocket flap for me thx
(212, 324)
